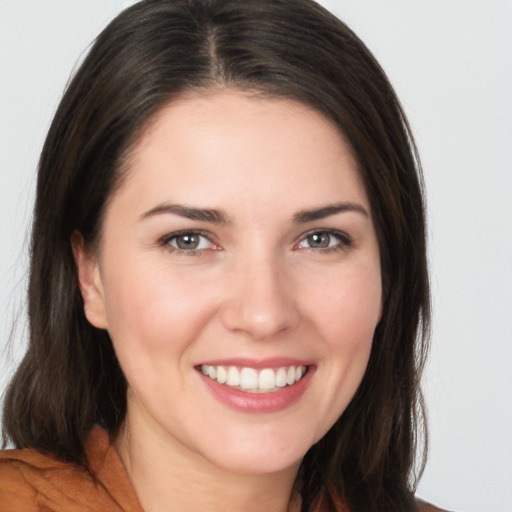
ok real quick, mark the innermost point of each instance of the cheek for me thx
(346, 317)
(152, 320)
(150, 307)
(349, 307)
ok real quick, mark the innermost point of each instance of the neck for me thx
(167, 475)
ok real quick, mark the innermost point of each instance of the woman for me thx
(228, 294)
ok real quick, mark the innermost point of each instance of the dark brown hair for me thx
(70, 379)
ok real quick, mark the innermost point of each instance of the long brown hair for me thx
(70, 379)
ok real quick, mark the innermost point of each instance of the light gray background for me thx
(451, 64)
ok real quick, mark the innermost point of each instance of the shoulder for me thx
(30, 457)
(25, 476)
(31, 481)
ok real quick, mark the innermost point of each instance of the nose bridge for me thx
(260, 302)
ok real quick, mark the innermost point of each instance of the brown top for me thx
(33, 482)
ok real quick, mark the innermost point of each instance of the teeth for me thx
(222, 374)
(267, 379)
(248, 378)
(281, 377)
(233, 377)
(252, 380)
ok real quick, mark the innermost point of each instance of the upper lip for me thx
(244, 362)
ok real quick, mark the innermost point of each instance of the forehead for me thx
(215, 147)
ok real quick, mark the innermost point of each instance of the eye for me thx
(325, 240)
(187, 241)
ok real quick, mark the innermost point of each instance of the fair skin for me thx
(240, 244)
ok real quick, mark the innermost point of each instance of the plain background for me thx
(451, 64)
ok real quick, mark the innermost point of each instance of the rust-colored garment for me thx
(33, 482)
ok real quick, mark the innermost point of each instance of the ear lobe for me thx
(89, 281)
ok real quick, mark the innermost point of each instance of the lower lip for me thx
(273, 401)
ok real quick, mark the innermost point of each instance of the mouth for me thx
(252, 380)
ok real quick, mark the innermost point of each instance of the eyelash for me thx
(344, 241)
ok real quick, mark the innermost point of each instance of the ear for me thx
(89, 281)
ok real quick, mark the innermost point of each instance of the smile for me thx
(250, 380)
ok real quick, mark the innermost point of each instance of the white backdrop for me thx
(451, 64)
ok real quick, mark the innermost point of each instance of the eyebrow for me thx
(188, 212)
(217, 217)
(326, 211)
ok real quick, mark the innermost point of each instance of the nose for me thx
(260, 302)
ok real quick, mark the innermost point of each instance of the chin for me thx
(261, 454)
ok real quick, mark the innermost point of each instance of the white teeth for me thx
(233, 377)
(252, 380)
(267, 379)
(248, 378)
(222, 374)
(281, 378)
(212, 372)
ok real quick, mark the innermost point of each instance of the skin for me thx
(256, 288)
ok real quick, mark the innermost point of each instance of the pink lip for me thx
(273, 401)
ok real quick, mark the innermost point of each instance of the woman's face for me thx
(238, 276)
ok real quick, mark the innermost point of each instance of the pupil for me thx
(188, 242)
(319, 240)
